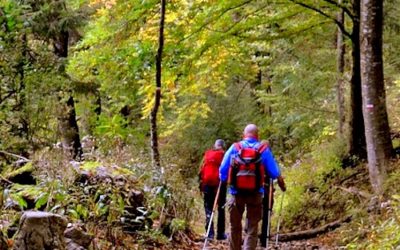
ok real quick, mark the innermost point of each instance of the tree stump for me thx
(40, 230)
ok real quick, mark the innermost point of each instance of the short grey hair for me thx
(219, 144)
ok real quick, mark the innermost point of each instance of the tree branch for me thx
(344, 8)
(340, 25)
(14, 155)
(6, 180)
(282, 35)
(9, 94)
(241, 19)
(217, 18)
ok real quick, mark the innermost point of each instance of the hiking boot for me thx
(222, 237)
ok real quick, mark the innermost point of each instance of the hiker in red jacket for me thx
(209, 182)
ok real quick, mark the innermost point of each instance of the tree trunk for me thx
(60, 44)
(356, 138)
(22, 127)
(153, 115)
(377, 132)
(312, 233)
(70, 130)
(340, 70)
(68, 126)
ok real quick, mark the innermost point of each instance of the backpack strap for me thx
(238, 146)
(262, 147)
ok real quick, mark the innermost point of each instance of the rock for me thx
(76, 237)
(40, 230)
(71, 245)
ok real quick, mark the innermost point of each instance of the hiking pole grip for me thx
(212, 215)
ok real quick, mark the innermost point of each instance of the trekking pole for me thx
(212, 215)
(279, 219)
(269, 212)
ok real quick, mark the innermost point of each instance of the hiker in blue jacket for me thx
(240, 177)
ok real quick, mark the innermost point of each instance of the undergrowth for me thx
(315, 193)
(378, 229)
(168, 201)
(321, 190)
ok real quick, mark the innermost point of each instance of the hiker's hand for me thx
(281, 183)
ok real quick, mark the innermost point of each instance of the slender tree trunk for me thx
(60, 44)
(340, 70)
(69, 129)
(97, 109)
(22, 129)
(356, 138)
(377, 131)
(68, 124)
(153, 115)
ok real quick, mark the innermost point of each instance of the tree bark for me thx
(153, 115)
(340, 70)
(356, 138)
(60, 44)
(70, 130)
(377, 132)
(68, 125)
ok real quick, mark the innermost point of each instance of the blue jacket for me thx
(267, 158)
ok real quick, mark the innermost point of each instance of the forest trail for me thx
(294, 245)
(323, 242)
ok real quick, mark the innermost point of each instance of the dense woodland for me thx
(107, 106)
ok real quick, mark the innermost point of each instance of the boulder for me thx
(76, 238)
(40, 230)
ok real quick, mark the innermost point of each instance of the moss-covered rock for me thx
(97, 168)
(22, 175)
(25, 195)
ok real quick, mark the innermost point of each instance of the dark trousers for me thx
(209, 198)
(266, 208)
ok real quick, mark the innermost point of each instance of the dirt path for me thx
(325, 242)
(296, 245)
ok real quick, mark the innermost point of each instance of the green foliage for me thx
(225, 64)
(112, 128)
(377, 232)
(314, 197)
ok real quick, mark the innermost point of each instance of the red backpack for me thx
(246, 173)
(210, 170)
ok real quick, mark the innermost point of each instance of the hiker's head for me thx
(219, 144)
(250, 130)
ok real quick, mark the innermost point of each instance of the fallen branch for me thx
(307, 234)
(14, 155)
(5, 180)
(355, 191)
